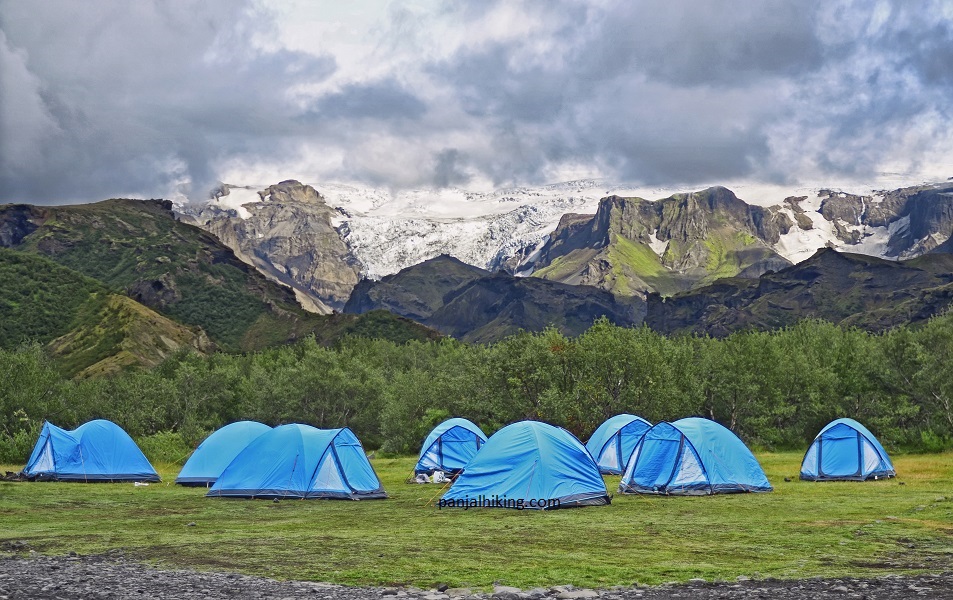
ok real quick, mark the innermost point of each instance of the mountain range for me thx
(627, 245)
(127, 282)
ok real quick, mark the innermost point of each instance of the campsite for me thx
(800, 530)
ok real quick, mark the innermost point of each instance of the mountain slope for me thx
(86, 328)
(415, 292)
(477, 306)
(139, 248)
(849, 289)
(289, 235)
(635, 246)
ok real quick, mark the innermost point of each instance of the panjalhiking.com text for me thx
(497, 501)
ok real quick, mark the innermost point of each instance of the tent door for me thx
(840, 455)
(44, 462)
(328, 478)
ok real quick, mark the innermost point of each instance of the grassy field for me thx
(902, 525)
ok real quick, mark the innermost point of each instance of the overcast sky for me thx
(152, 99)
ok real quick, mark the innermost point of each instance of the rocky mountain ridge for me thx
(321, 241)
(635, 246)
(475, 305)
(291, 238)
(848, 289)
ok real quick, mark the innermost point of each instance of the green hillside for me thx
(40, 300)
(85, 327)
(139, 248)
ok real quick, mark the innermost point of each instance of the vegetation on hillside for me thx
(88, 329)
(39, 300)
(774, 389)
(138, 248)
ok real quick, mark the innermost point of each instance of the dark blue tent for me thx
(300, 461)
(217, 451)
(450, 446)
(692, 457)
(529, 465)
(612, 443)
(96, 451)
(845, 450)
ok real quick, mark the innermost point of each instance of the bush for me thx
(933, 442)
(15, 449)
(165, 447)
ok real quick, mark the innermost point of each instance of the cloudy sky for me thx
(158, 98)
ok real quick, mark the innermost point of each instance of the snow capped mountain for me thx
(380, 232)
(389, 231)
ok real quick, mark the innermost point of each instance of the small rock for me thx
(840, 588)
(574, 594)
(506, 588)
(443, 587)
(458, 592)
(192, 524)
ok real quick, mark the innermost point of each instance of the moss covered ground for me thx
(802, 529)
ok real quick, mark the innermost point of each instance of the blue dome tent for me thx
(692, 456)
(612, 443)
(96, 451)
(300, 461)
(529, 465)
(217, 450)
(450, 446)
(845, 450)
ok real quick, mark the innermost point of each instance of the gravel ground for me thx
(73, 577)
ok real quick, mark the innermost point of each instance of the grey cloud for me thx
(386, 99)
(141, 95)
(128, 98)
(713, 42)
(447, 170)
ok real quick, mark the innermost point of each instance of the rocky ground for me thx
(28, 575)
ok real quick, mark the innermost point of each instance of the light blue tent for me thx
(217, 450)
(692, 456)
(450, 446)
(845, 450)
(612, 443)
(300, 461)
(96, 451)
(529, 465)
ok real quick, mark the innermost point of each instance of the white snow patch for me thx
(657, 245)
(798, 244)
(237, 198)
(874, 241)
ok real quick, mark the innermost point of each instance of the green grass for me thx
(800, 530)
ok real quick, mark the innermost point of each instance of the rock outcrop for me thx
(633, 246)
(289, 236)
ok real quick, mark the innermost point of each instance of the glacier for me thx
(388, 230)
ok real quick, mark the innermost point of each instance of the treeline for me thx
(775, 390)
